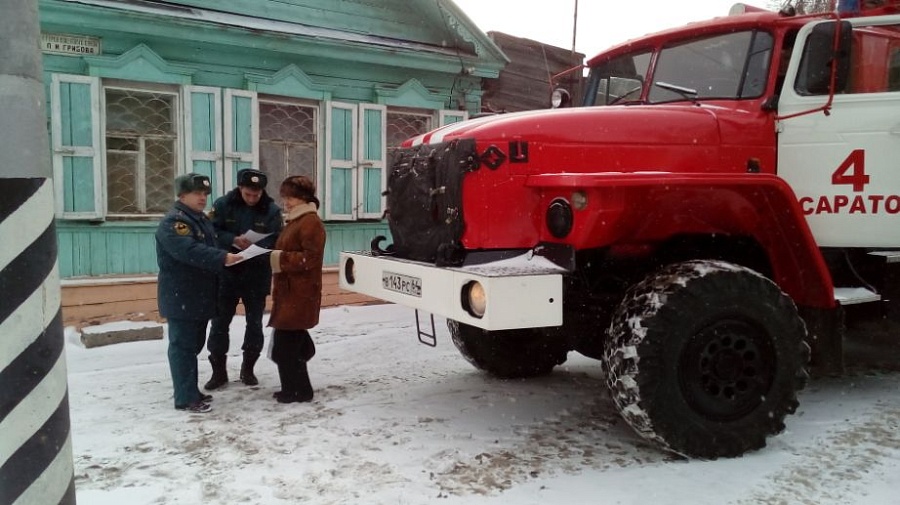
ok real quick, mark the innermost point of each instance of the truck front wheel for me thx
(508, 354)
(705, 358)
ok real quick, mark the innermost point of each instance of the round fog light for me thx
(474, 299)
(559, 218)
(350, 271)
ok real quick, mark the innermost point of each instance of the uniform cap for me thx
(251, 178)
(188, 183)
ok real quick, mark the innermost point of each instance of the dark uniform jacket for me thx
(232, 217)
(189, 265)
(297, 271)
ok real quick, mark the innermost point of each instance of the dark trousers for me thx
(186, 338)
(254, 306)
(291, 349)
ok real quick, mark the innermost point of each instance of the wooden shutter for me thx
(340, 161)
(372, 163)
(203, 134)
(241, 119)
(76, 142)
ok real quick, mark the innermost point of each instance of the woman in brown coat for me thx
(296, 288)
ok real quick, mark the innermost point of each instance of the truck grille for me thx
(424, 200)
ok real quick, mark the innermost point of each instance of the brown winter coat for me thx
(297, 271)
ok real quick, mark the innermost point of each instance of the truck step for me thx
(889, 256)
(852, 296)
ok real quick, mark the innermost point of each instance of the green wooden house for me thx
(140, 91)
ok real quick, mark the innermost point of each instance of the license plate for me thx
(400, 283)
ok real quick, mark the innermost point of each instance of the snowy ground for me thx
(397, 422)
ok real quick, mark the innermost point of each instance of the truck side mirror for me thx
(814, 75)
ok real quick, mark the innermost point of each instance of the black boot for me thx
(219, 372)
(283, 377)
(247, 365)
(304, 387)
(297, 388)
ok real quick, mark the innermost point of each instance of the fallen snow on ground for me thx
(397, 422)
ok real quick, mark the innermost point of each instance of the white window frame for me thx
(177, 146)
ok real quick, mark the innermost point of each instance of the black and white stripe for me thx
(35, 446)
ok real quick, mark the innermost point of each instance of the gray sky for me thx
(601, 23)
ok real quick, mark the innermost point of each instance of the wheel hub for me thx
(726, 369)
(727, 365)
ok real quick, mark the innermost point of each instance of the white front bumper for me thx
(523, 298)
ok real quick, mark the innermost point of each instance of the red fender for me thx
(649, 207)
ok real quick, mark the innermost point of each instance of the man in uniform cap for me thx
(244, 209)
(190, 262)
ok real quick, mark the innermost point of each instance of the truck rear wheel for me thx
(508, 354)
(705, 358)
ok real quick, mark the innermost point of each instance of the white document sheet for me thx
(251, 252)
(255, 236)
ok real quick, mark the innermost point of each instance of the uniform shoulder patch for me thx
(182, 228)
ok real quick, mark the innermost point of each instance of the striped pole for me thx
(36, 466)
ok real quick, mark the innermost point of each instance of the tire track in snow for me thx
(830, 471)
(593, 436)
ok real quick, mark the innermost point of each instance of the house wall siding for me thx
(124, 248)
(135, 299)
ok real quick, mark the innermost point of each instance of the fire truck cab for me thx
(719, 207)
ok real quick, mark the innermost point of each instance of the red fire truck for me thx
(715, 212)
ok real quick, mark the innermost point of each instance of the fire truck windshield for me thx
(729, 66)
(619, 80)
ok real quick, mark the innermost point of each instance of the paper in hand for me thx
(255, 236)
(251, 252)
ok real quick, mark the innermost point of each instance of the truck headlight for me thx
(560, 98)
(350, 271)
(559, 218)
(474, 299)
